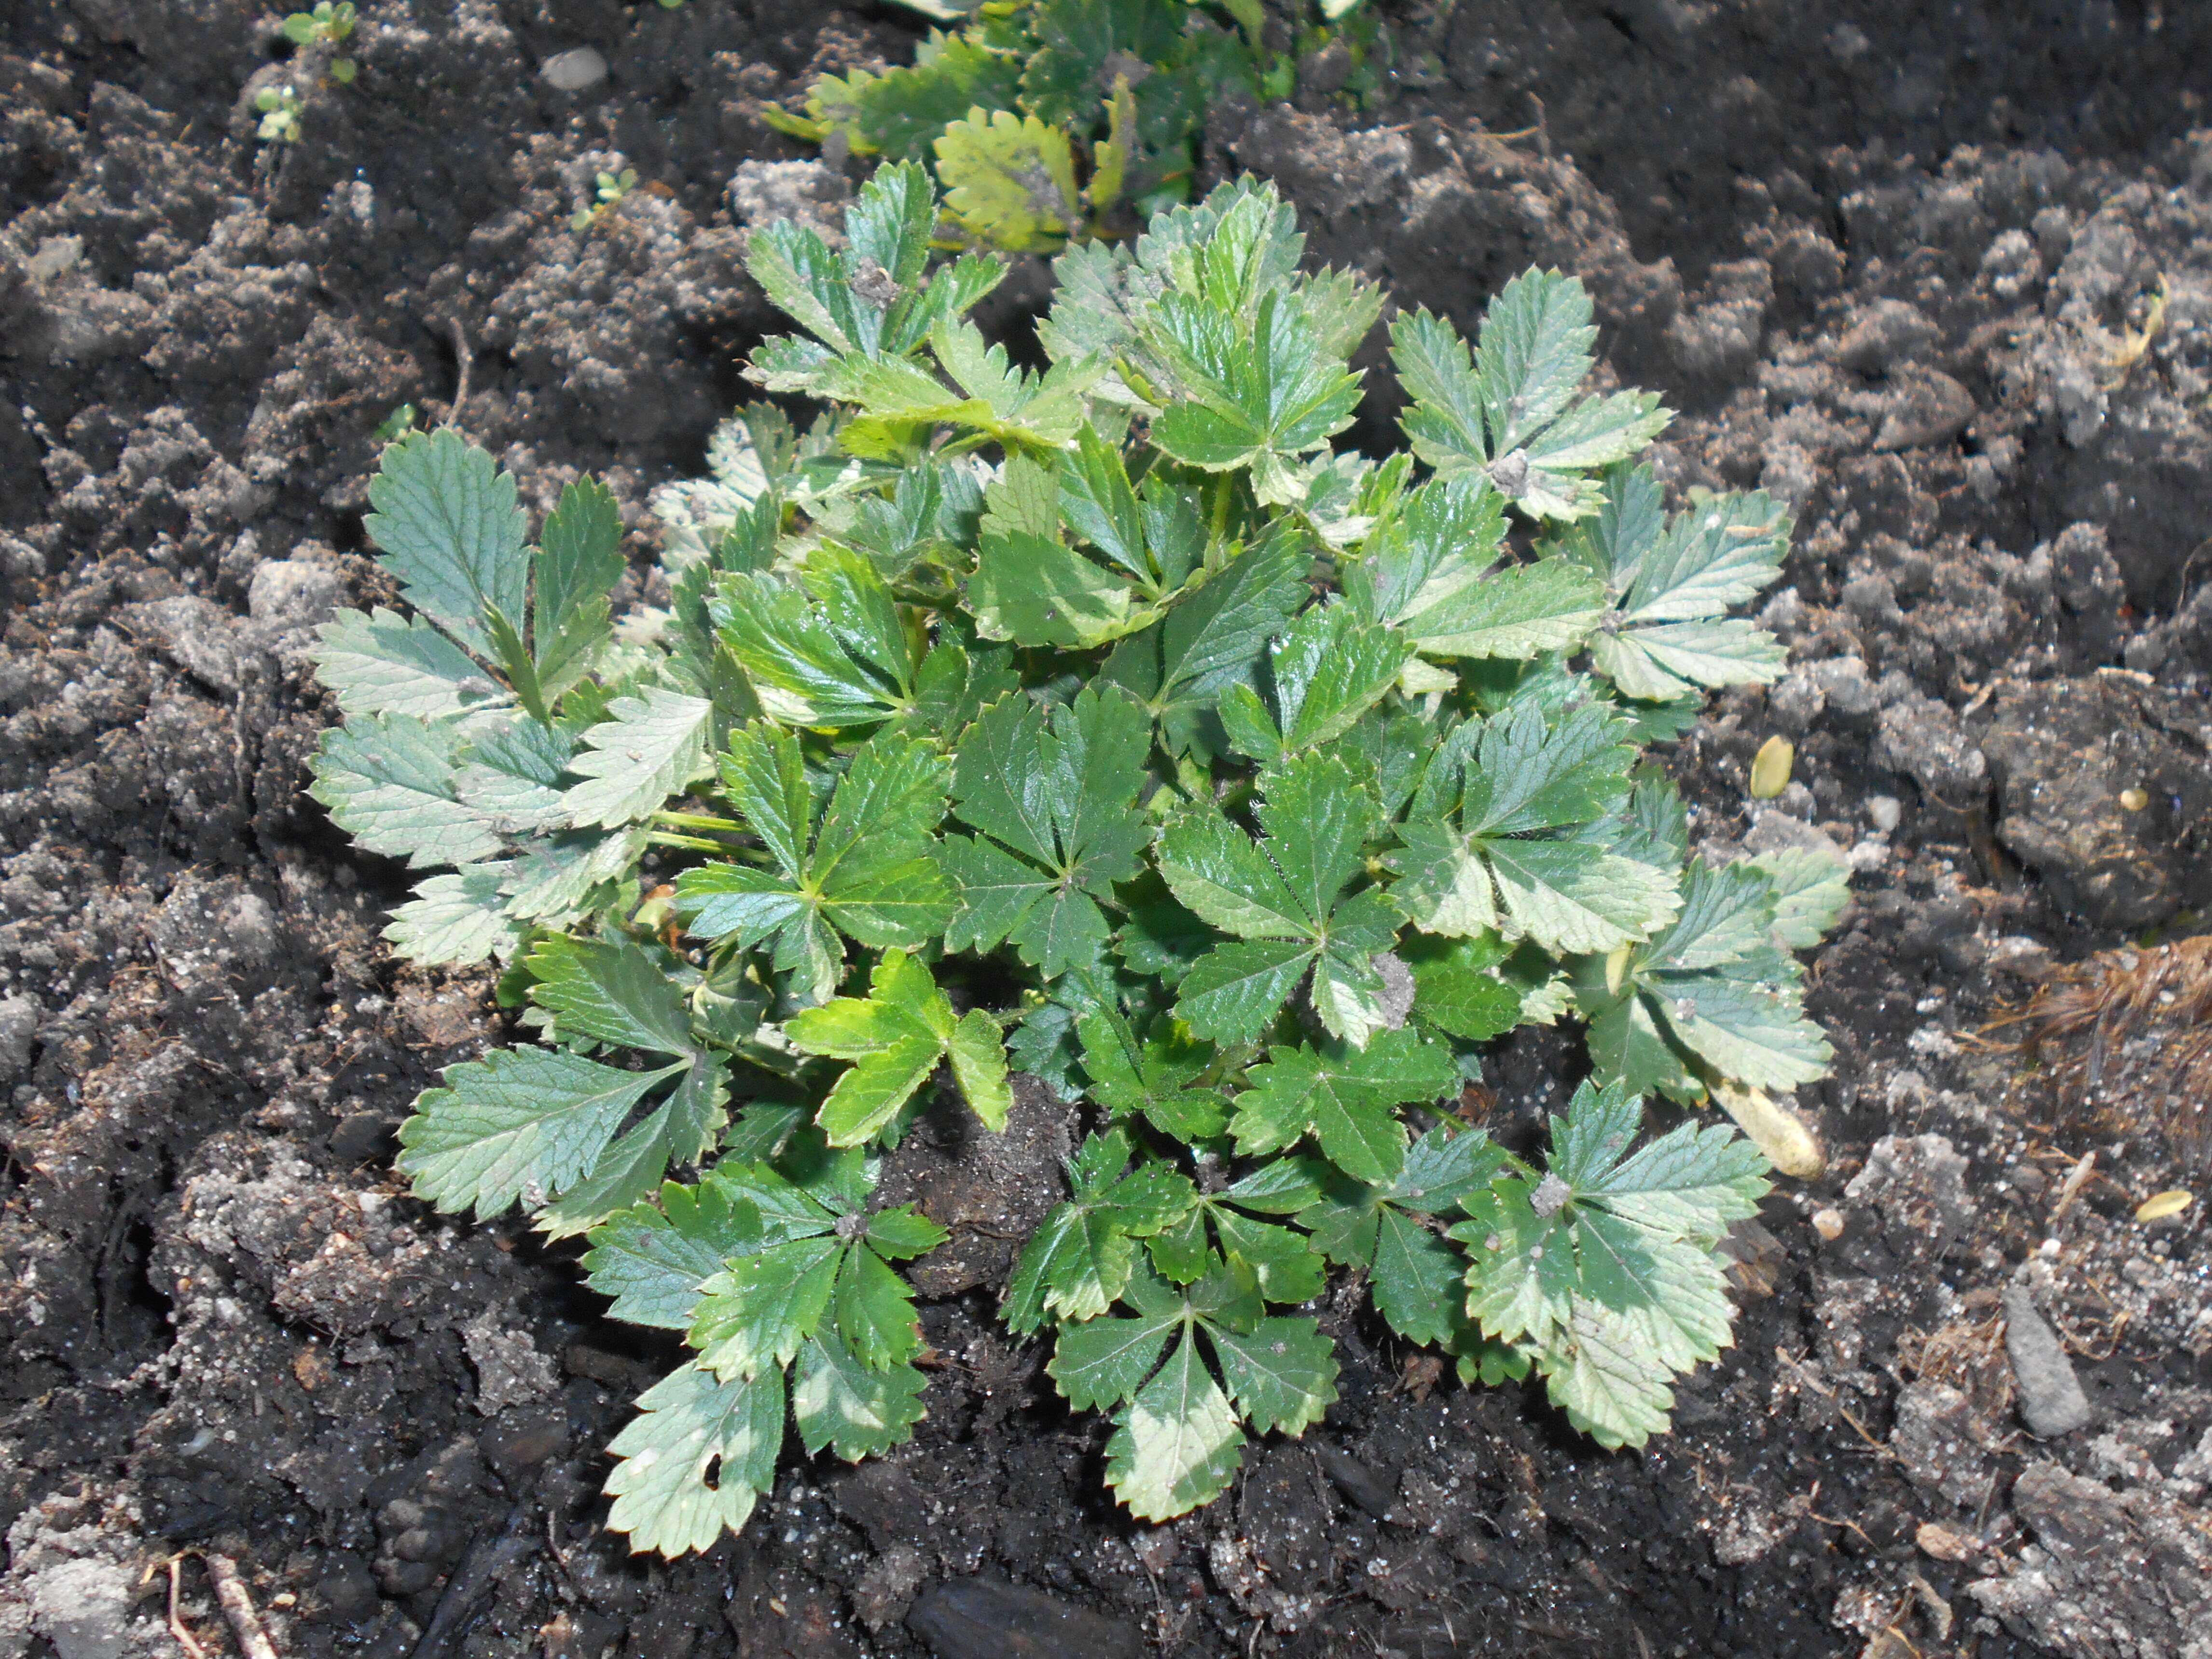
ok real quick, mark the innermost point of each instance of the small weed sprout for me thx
(280, 108)
(606, 194)
(326, 26)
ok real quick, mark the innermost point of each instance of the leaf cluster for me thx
(1048, 121)
(1098, 720)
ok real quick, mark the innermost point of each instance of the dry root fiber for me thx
(2126, 1037)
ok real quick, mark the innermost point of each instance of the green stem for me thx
(698, 821)
(662, 838)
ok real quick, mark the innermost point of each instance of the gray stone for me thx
(2051, 1402)
(19, 1028)
(293, 593)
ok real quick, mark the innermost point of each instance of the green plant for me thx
(326, 26)
(1048, 121)
(1241, 785)
(280, 108)
(607, 191)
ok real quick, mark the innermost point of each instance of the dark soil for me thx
(1899, 263)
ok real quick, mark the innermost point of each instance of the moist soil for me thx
(1940, 275)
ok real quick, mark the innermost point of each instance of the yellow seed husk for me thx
(2158, 1206)
(1789, 1143)
(1770, 768)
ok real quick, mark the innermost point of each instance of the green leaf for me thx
(1344, 1098)
(1516, 613)
(679, 1130)
(1009, 179)
(867, 869)
(608, 989)
(1056, 794)
(390, 782)
(1282, 1376)
(381, 662)
(652, 1261)
(1150, 1078)
(456, 919)
(1810, 891)
(1100, 1362)
(756, 1314)
(896, 1036)
(578, 561)
(448, 528)
(1329, 670)
(1081, 1258)
(697, 1459)
(838, 1402)
(520, 1123)
(1603, 1377)
(649, 749)
(1177, 1445)
(1456, 990)
(805, 669)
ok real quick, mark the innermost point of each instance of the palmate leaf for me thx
(1506, 411)
(1671, 583)
(864, 864)
(1327, 671)
(1344, 1098)
(1150, 1079)
(895, 1038)
(832, 652)
(1054, 796)
(1469, 862)
(1607, 1265)
(1080, 1259)
(1284, 899)
(1263, 395)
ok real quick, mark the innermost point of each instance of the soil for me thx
(1939, 276)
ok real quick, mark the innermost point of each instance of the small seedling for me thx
(327, 26)
(280, 108)
(400, 422)
(1104, 723)
(606, 192)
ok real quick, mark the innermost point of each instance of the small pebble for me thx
(2051, 1402)
(1884, 812)
(575, 70)
(1829, 1224)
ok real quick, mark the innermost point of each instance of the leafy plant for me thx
(281, 107)
(1099, 719)
(1048, 121)
(327, 26)
(607, 192)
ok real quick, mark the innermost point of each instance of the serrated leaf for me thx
(1282, 1376)
(1516, 612)
(381, 662)
(805, 670)
(1100, 1362)
(1601, 1376)
(756, 1313)
(865, 865)
(695, 1460)
(896, 1036)
(456, 919)
(1177, 1445)
(1055, 793)
(447, 526)
(649, 748)
(679, 1130)
(390, 781)
(1810, 890)
(838, 1402)
(578, 561)
(1455, 991)
(1009, 179)
(1327, 671)
(1344, 1098)
(1081, 1258)
(1150, 1078)
(521, 1122)
(652, 1259)
(608, 989)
